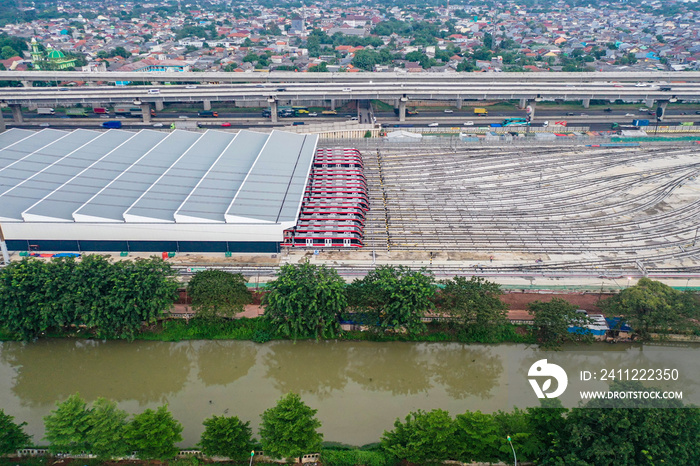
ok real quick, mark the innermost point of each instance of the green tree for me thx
(120, 52)
(546, 424)
(365, 59)
(66, 427)
(320, 68)
(226, 436)
(394, 297)
(305, 300)
(488, 40)
(8, 52)
(475, 305)
(216, 293)
(650, 306)
(643, 431)
(476, 437)
(423, 437)
(289, 429)
(12, 435)
(105, 436)
(153, 434)
(552, 320)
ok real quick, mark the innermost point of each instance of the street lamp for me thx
(515, 458)
(252, 453)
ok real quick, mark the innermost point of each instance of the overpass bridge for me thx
(271, 88)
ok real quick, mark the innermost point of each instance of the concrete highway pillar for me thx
(3, 127)
(273, 109)
(662, 105)
(207, 104)
(146, 111)
(586, 103)
(159, 105)
(17, 113)
(649, 103)
(523, 103)
(332, 104)
(458, 104)
(402, 108)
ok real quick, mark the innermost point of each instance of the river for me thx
(359, 388)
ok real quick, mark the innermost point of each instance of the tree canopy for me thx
(289, 429)
(421, 438)
(226, 436)
(216, 293)
(395, 298)
(305, 300)
(67, 426)
(12, 435)
(650, 306)
(114, 299)
(553, 319)
(153, 434)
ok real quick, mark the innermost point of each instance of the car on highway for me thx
(643, 109)
(641, 84)
(63, 89)
(190, 86)
(697, 112)
(433, 124)
(226, 124)
(157, 125)
(43, 125)
(545, 123)
(570, 114)
(629, 114)
(468, 123)
(353, 119)
(607, 110)
(154, 91)
(347, 89)
(447, 110)
(313, 114)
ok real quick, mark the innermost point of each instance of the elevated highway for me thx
(292, 77)
(298, 88)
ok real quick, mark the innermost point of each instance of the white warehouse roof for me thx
(151, 177)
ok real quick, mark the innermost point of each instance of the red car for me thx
(226, 124)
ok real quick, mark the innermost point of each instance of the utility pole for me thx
(3, 247)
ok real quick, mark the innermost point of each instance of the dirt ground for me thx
(587, 301)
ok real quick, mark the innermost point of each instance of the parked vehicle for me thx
(45, 111)
(76, 112)
(112, 124)
(208, 113)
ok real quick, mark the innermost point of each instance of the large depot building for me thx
(183, 191)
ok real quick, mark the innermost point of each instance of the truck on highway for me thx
(112, 124)
(481, 111)
(640, 122)
(45, 111)
(100, 111)
(76, 112)
(208, 113)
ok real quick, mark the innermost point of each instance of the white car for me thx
(433, 125)
(157, 125)
(312, 114)
(468, 123)
(447, 110)
(347, 89)
(629, 114)
(353, 119)
(545, 123)
(640, 84)
(190, 86)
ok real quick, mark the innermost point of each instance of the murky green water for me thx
(359, 388)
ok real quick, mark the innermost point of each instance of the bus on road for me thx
(515, 122)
